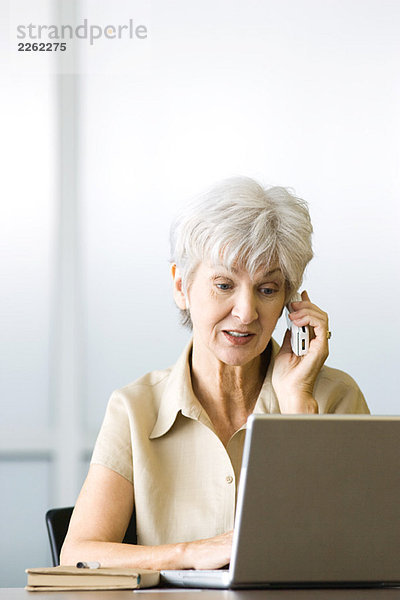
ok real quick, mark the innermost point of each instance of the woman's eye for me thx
(267, 291)
(223, 286)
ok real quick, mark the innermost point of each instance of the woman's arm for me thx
(98, 526)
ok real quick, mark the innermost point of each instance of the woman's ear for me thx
(179, 295)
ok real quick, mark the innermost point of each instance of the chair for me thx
(57, 521)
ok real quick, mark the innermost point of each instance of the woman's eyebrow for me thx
(217, 274)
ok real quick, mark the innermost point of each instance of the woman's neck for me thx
(228, 393)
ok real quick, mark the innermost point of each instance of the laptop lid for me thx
(318, 501)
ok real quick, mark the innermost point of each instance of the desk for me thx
(171, 594)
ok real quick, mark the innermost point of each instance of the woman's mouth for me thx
(238, 338)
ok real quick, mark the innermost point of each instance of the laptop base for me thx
(208, 579)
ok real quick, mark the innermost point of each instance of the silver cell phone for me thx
(300, 336)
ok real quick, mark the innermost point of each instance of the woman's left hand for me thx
(293, 377)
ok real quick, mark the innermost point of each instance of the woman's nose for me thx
(245, 307)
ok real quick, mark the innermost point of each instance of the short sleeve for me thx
(113, 448)
(352, 402)
(337, 393)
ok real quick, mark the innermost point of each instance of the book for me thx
(105, 578)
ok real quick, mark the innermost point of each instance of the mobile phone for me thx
(300, 336)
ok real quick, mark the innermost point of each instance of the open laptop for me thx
(318, 505)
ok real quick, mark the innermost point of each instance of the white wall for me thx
(301, 93)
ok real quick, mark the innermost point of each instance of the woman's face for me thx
(233, 314)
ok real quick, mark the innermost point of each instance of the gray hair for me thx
(237, 222)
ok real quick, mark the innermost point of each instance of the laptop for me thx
(318, 506)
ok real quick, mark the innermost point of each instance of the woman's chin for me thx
(236, 357)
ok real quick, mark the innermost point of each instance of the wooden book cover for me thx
(104, 578)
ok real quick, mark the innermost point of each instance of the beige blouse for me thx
(157, 435)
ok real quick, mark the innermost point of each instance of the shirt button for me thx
(229, 479)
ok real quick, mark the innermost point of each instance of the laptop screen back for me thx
(322, 501)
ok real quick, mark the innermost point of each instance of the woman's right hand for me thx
(210, 553)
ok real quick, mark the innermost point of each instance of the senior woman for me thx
(171, 443)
